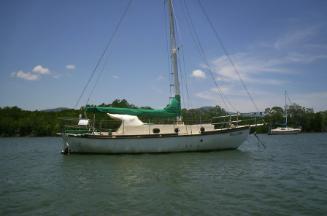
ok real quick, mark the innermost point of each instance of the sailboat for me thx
(135, 136)
(285, 129)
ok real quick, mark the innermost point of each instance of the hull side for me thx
(203, 142)
(285, 131)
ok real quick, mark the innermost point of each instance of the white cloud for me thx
(225, 89)
(198, 74)
(263, 99)
(252, 68)
(268, 68)
(39, 69)
(160, 77)
(304, 58)
(25, 75)
(70, 67)
(316, 100)
(56, 76)
(36, 73)
(260, 64)
(207, 96)
(115, 77)
(250, 63)
(295, 37)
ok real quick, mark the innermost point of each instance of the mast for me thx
(173, 50)
(173, 47)
(285, 111)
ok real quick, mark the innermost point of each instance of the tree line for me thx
(18, 122)
(297, 116)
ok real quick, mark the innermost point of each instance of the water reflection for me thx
(287, 177)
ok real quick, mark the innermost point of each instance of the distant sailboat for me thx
(285, 129)
(135, 136)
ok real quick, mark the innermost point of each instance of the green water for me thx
(289, 177)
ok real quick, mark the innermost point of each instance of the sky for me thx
(49, 48)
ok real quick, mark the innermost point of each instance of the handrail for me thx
(217, 123)
(70, 125)
(233, 115)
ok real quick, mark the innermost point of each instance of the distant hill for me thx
(59, 109)
(206, 108)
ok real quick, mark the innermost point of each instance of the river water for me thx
(288, 177)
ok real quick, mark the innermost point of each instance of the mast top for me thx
(173, 47)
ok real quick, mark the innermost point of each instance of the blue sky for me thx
(48, 49)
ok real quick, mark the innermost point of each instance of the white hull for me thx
(282, 131)
(229, 139)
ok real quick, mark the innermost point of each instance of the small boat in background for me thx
(285, 129)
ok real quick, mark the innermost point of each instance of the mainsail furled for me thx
(173, 109)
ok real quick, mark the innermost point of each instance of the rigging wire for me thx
(199, 46)
(288, 98)
(105, 50)
(181, 75)
(189, 102)
(187, 91)
(98, 78)
(227, 55)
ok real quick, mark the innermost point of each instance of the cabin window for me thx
(156, 130)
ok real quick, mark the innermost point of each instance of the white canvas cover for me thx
(128, 120)
(83, 122)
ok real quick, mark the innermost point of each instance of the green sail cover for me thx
(173, 109)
